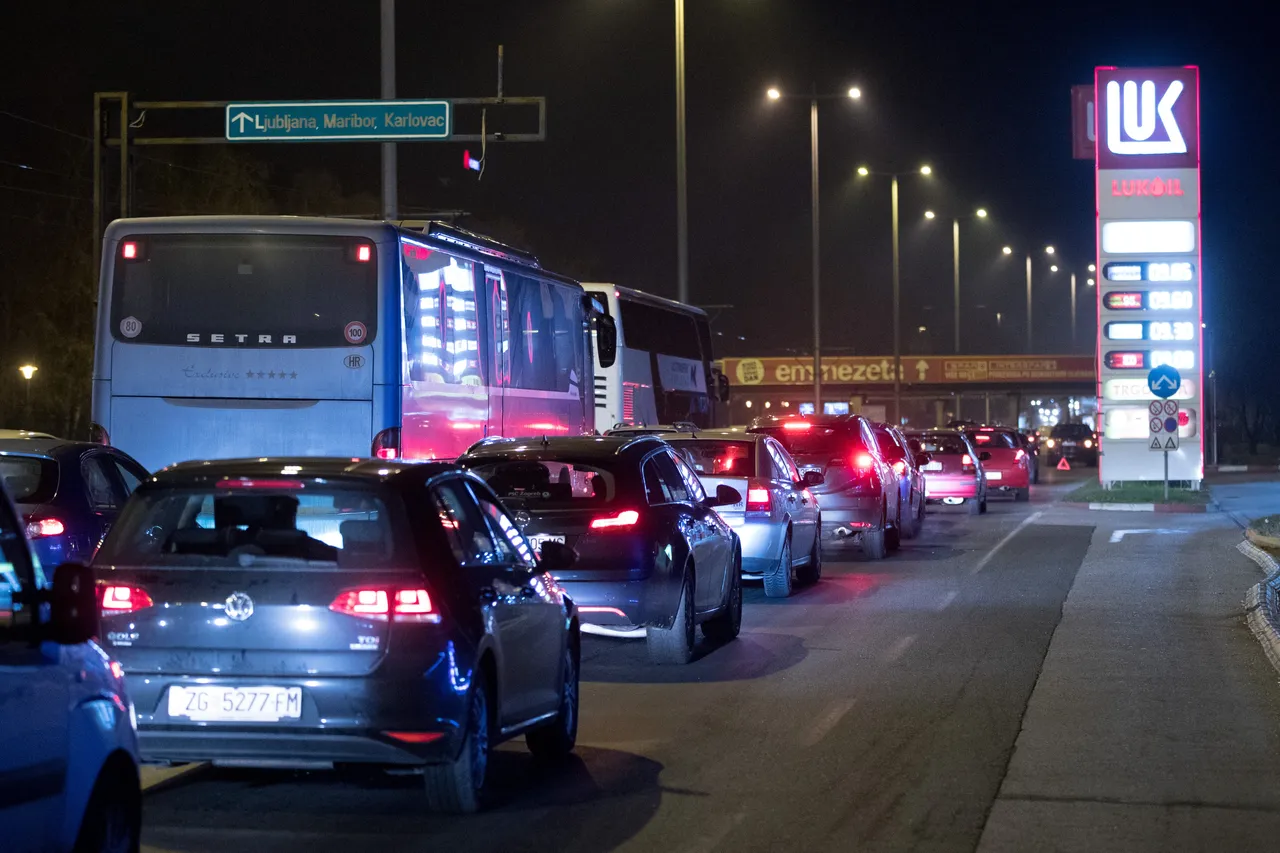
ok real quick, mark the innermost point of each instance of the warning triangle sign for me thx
(1063, 464)
(1155, 443)
(1171, 444)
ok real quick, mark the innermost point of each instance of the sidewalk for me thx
(1246, 497)
(1155, 723)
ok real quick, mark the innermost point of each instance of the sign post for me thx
(1164, 382)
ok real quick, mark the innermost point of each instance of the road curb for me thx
(1241, 469)
(1262, 602)
(157, 777)
(1142, 507)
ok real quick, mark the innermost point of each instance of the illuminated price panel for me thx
(1149, 262)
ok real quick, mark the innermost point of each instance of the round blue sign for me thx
(1170, 424)
(1164, 381)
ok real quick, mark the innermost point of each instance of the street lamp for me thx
(776, 94)
(1048, 250)
(980, 213)
(925, 170)
(28, 371)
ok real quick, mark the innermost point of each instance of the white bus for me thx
(664, 372)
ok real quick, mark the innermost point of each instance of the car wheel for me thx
(113, 818)
(556, 739)
(976, 505)
(911, 524)
(982, 507)
(873, 544)
(458, 787)
(725, 625)
(893, 538)
(674, 645)
(1022, 495)
(777, 581)
(811, 572)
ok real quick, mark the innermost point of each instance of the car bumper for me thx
(761, 542)
(937, 488)
(843, 516)
(1019, 479)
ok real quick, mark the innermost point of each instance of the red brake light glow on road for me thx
(626, 518)
(124, 599)
(44, 527)
(797, 425)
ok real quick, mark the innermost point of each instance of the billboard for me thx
(1148, 270)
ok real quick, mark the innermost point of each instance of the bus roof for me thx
(641, 296)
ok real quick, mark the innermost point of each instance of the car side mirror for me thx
(923, 459)
(724, 496)
(556, 557)
(73, 605)
(814, 478)
(984, 456)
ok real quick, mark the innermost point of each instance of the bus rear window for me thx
(245, 290)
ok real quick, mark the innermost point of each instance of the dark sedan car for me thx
(68, 492)
(316, 612)
(1074, 442)
(906, 464)
(654, 557)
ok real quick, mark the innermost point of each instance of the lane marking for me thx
(982, 564)
(828, 722)
(899, 648)
(947, 599)
(1118, 535)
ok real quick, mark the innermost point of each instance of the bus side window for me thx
(442, 323)
(546, 335)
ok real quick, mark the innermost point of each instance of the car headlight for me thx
(1088, 442)
(1048, 442)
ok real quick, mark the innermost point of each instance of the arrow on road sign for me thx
(922, 368)
(1164, 383)
(242, 117)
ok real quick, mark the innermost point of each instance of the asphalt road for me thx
(877, 710)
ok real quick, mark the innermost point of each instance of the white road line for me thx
(982, 564)
(828, 722)
(947, 599)
(899, 648)
(1118, 535)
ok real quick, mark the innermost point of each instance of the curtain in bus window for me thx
(546, 335)
(442, 333)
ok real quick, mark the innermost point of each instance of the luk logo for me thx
(1137, 109)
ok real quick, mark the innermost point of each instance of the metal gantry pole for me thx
(817, 317)
(897, 325)
(1073, 312)
(955, 264)
(1029, 332)
(390, 203)
(682, 189)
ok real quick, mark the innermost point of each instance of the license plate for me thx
(236, 704)
(1068, 444)
(932, 466)
(537, 539)
(994, 475)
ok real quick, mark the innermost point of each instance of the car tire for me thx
(726, 624)
(555, 740)
(911, 524)
(777, 581)
(893, 538)
(976, 505)
(873, 544)
(982, 507)
(811, 572)
(458, 787)
(112, 820)
(1022, 495)
(674, 645)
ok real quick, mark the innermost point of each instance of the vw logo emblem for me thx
(238, 606)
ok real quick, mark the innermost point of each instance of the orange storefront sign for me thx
(916, 370)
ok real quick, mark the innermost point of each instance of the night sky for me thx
(982, 96)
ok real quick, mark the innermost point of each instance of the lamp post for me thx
(1048, 250)
(28, 372)
(1089, 282)
(682, 187)
(863, 171)
(980, 213)
(775, 94)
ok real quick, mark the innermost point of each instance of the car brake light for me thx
(129, 250)
(626, 518)
(364, 253)
(399, 605)
(966, 461)
(245, 483)
(759, 500)
(386, 444)
(124, 599)
(38, 529)
(1017, 456)
(863, 461)
(797, 425)
(900, 466)
(415, 737)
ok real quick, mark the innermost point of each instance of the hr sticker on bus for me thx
(355, 332)
(130, 327)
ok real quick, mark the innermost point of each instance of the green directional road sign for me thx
(339, 121)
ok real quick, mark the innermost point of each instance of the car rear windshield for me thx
(995, 439)
(548, 483)
(716, 458)
(1072, 431)
(816, 439)
(293, 523)
(942, 443)
(29, 479)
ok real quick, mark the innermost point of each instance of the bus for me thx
(664, 372)
(246, 336)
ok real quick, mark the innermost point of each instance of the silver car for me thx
(777, 520)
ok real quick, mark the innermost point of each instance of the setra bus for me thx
(246, 336)
(664, 372)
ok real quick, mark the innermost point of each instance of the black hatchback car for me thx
(654, 557)
(319, 612)
(68, 492)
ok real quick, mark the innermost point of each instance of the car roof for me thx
(44, 446)
(726, 434)
(23, 433)
(582, 447)
(770, 421)
(297, 466)
(653, 429)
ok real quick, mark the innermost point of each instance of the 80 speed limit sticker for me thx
(130, 327)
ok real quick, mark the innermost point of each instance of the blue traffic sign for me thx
(338, 121)
(1164, 381)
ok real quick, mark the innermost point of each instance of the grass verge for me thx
(1137, 493)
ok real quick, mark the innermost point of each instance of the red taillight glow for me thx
(1019, 454)
(364, 253)
(38, 529)
(415, 737)
(129, 250)
(864, 461)
(386, 444)
(259, 484)
(124, 599)
(900, 467)
(400, 605)
(600, 608)
(626, 518)
(797, 425)
(966, 460)
(758, 500)
(386, 453)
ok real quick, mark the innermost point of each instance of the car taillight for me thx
(797, 425)
(386, 444)
(966, 461)
(98, 434)
(626, 518)
(364, 253)
(407, 604)
(900, 467)
(123, 599)
(863, 462)
(40, 528)
(1017, 456)
(759, 500)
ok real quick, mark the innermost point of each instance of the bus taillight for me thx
(364, 253)
(386, 444)
(98, 435)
